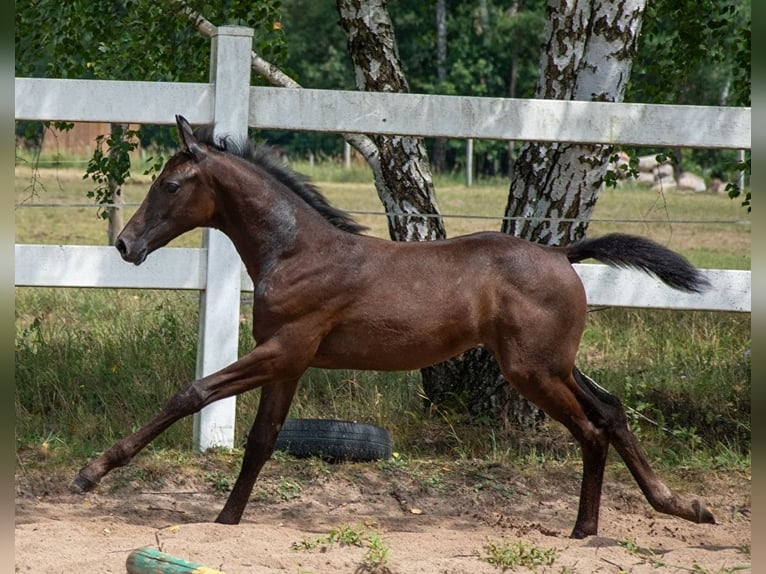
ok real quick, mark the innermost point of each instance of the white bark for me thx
(402, 172)
(592, 42)
(588, 55)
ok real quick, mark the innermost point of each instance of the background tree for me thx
(127, 40)
(587, 55)
(406, 189)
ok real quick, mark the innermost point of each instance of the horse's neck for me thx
(265, 225)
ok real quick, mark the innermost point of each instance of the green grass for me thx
(377, 552)
(687, 371)
(518, 554)
(92, 365)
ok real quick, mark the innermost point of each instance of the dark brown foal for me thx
(327, 296)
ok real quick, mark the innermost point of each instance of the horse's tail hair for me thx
(622, 250)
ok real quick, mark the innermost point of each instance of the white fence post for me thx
(219, 306)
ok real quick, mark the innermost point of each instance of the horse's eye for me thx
(171, 187)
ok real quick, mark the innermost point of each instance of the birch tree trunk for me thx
(588, 53)
(403, 180)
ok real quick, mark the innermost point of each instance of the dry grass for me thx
(721, 238)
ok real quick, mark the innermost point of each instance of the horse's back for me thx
(489, 256)
(413, 304)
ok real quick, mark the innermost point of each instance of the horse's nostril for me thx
(121, 247)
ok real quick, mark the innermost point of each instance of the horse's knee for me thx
(188, 400)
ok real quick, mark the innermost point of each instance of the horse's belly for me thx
(381, 349)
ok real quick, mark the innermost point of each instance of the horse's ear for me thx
(189, 143)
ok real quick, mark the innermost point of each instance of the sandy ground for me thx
(434, 518)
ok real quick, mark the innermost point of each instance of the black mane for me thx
(264, 157)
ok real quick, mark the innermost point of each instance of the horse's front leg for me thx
(272, 410)
(264, 364)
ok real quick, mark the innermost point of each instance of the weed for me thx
(508, 556)
(434, 482)
(486, 483)
(646, 554)
(280, 456)
(630, 546)
(31, 336)
(377, 552)
(397, 461)
(345, 536)
(287, 489)
(307, 544)
(497, 452)
(220, 483)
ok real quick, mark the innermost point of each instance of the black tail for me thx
(621, 250)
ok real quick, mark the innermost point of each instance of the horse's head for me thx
(179, 200)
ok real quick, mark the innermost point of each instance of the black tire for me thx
(334, 440)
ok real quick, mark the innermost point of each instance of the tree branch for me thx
(276, 77)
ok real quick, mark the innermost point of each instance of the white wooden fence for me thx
(230, 102)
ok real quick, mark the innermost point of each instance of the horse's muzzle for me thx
(129, 253)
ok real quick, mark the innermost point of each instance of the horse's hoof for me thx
(704, 516)
(578, 534)
(81, 485)
(227, 518)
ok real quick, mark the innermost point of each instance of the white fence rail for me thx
(230, 102)
(387, 113)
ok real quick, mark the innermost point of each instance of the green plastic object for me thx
(149, 560)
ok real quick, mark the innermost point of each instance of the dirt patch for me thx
(431, 517)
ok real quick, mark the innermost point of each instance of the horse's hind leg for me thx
(625, 443)
(595, 447)
(596, 419)
(558, 397)
(272, 410)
